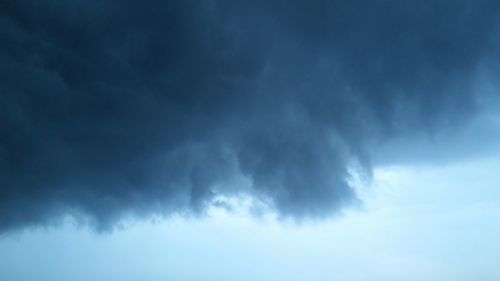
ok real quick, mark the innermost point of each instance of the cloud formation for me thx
(145, 107)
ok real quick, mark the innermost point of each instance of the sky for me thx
(272, 140)
(416, 223)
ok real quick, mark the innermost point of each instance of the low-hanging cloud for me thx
(148, 107)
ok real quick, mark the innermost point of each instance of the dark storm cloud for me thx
(110, 108)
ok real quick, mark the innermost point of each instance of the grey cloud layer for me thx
(118, 107)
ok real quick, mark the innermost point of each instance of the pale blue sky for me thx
(416, 223)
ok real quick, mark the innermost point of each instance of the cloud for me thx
(154, 107)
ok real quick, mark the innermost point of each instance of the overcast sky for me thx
(228, 139)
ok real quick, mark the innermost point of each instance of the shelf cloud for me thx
(111, 108)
